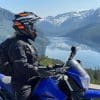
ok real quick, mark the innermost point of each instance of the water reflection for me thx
(89, 58)
(59, 48)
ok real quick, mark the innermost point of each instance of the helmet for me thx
(24, 24)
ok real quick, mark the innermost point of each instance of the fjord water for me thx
(59, 48)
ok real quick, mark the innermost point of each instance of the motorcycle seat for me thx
(94, 86)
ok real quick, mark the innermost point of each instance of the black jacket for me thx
(24, 59)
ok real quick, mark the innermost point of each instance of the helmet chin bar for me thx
(31, 35)
(30, 32)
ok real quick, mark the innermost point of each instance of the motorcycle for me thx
(78, 81)
(68, 82)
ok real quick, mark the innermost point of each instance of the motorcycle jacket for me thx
(24, 60)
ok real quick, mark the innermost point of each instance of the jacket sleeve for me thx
(20, 63)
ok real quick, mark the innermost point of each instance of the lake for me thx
(59, 48)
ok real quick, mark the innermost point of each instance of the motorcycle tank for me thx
(77, 72)
(47, 89)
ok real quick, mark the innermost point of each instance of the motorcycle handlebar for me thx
(57, 69)
(60, 68)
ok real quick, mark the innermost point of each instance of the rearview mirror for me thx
(73, 52)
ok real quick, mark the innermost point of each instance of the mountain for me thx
(6, 15)
(82, 27)
(89, 35)
(67, 22)
(5, 23)
(6, 30)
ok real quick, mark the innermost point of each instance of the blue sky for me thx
(49, 7)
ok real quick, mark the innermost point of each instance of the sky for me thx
(45, 8)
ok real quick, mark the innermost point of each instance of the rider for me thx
(23, 55)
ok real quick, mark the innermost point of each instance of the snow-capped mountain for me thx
(82, 27)
(67, 22)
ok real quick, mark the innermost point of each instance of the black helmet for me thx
(24, 24)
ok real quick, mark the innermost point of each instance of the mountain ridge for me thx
(82, 27)
(64, 23)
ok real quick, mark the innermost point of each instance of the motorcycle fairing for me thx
(75, 75)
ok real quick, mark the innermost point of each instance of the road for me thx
(94, 86)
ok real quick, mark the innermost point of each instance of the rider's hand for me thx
(60, 70)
